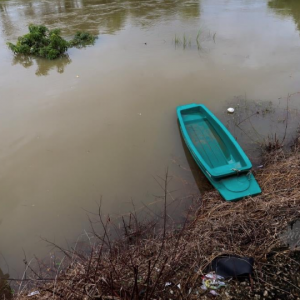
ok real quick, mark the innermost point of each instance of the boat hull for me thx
(232, 187)
(214, 146)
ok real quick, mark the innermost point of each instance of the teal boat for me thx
(217, 153)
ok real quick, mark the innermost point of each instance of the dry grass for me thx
(140, 263)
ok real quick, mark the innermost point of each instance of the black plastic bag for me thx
(232, 266)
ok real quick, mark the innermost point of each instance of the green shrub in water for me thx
(42, 42)
(82, 39)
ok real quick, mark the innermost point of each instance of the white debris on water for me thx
(230, 110)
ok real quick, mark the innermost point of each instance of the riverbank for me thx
(169, 264)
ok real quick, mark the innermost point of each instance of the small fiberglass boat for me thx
(216, 152)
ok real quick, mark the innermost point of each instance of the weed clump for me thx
(81, 39)
(45, 43)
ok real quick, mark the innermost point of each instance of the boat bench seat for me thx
(226, 169)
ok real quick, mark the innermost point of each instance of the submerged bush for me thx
(82, 39)
(45, 43)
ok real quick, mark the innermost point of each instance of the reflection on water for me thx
(43, 66)
(96, 17)
(287, 8)
(106, 16)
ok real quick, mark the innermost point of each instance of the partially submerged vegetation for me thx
(45, 43)
(187, 41)
(82, 39)
(144, 263)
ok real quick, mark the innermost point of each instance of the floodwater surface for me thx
(101, 122)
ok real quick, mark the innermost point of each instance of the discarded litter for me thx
(33, 293)
(230, 110)
(168, 283)
(213, 276)
(214, 293)
(212, 281)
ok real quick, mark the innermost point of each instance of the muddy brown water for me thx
(101, 121)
